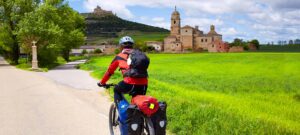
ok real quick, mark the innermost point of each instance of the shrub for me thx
(190, 49)
(117, 51)
(47, 56)
(255, 42)
(150, 49)
(84, 52)
(97, 51)
(246, 47)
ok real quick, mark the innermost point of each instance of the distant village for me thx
(181, 39)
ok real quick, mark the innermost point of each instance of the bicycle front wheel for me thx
(113, 120)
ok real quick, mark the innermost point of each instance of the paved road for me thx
(32, 104)
(68, 75)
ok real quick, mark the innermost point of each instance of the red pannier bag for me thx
(147, 104)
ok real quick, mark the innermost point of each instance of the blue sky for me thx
(266, 20)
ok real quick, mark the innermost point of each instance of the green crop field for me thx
(150, 37)
(223, 93)
(139, 37)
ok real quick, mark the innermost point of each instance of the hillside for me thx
(110, 25)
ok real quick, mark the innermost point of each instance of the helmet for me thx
(126, 41)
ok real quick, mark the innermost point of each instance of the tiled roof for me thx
(187, 27)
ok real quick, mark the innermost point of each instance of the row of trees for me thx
(55, 26)
(284, 42)
(240, 42)
(290, 42)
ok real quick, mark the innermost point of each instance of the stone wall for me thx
(236, 49)
(252, 47)
(172, 45)
(187, 42)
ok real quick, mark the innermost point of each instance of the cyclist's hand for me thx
(101, 85)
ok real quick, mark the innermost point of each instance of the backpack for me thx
(138, 64)
(159, 119)
(147, 104)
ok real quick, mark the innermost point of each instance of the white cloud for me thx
(158, 19)
(229, 31)
(266, 19)
(203, 23)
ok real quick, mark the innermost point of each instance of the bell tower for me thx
(175, 23)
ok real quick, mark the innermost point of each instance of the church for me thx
(187, 38)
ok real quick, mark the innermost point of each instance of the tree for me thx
(56, 27)
(291, 42)
(255, 42)
(41, 25)
(238, 42)
(73, 26)
(11, 12)
(297, 42)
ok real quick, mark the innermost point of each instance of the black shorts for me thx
(131, 89)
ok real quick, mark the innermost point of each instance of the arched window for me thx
(174, 22)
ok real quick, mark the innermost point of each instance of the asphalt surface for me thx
(70, 76)
(60, 102)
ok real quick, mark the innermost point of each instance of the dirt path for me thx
(36, 104)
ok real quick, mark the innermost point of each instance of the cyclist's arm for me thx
(110, 71)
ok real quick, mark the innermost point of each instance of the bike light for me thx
(134, 127)
(151, 106)
(162, 123)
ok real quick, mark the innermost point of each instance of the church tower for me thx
(175, 23)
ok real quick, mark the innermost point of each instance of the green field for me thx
(232, 93)
(139, 37)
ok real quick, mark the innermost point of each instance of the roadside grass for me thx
(232, 93)
(26, 65)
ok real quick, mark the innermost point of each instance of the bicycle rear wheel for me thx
(113, 120)
(149, 127)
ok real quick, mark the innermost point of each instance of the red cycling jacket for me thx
(121, 61)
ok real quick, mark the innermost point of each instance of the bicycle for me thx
(114, 123)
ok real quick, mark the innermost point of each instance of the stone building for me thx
(218, 46)
(100, 12)
(189, 38)
(105, 49)
(157, 45)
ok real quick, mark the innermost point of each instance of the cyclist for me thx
(130, 85)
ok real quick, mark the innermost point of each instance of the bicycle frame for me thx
(114, 122)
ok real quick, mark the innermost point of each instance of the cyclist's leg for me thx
(138, 90)
(120, 89)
